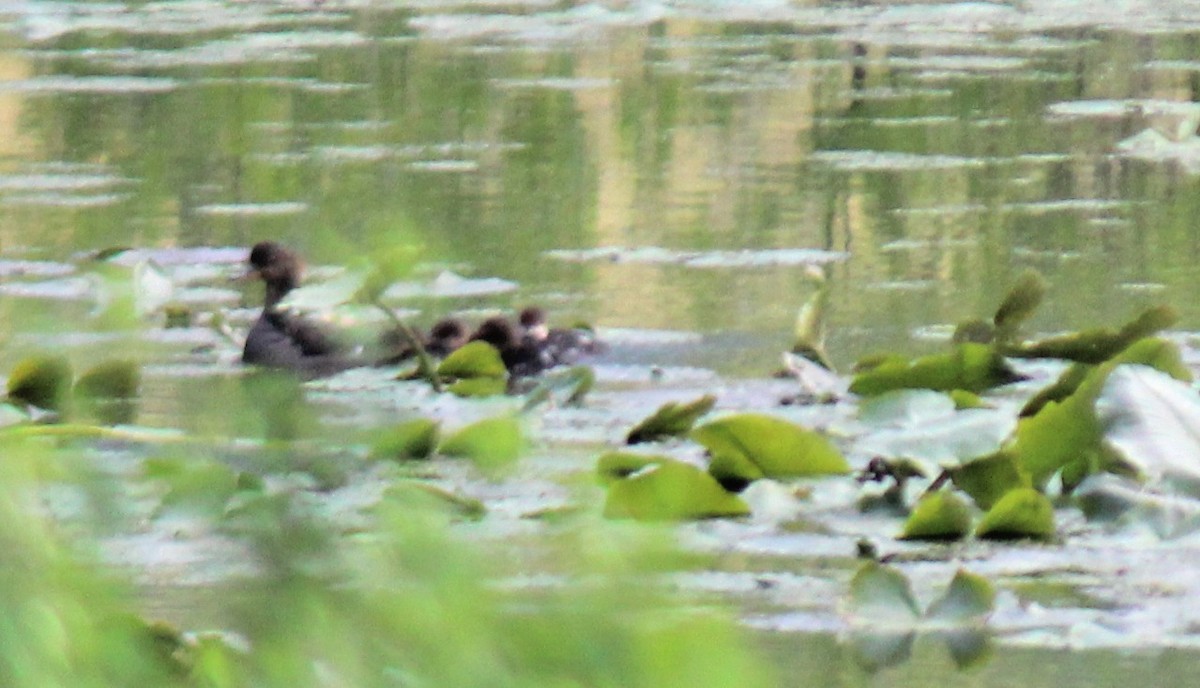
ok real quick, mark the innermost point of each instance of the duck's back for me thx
(285, 342)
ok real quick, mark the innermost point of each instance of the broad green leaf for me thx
(412, 439)
(1152, 423)
(881, 596)
(938, 516)
(971, 367)
(969, 598)
(616, 465)
(492, 443)
(1097, 345)
(1060, 389)
(116, 379)
(669, 491)
(672, 419)
(475, 359)
(1022, 300)
(809, 334)
(1022, 513)
(425, 494)
(478, 387)
(41, 381)
(734, 471)
(778, 448)
(988, 478)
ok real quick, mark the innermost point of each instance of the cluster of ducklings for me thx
(285, 340)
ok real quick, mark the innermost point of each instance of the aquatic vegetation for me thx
(666, 489)
(672, 419)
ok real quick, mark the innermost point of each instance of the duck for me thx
(444, 338)
(558, 346)
(280, 339)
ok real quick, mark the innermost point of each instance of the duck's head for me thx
(449, 331)
(277, 267)
(533, 322)
(498, 332)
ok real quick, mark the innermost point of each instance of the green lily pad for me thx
(734, 471)
(478, 387)
(809, 334)
(988, 478)
(613, 466)
(969, 598)
(412, 439)
(1097, 345)
(116, 379)
(672, 419)
(1020, 302)
(1022, 513)
(778, 448)
(671, 491)
(474, 360)
(492, 443)
(41, 381)
(971, 367)
(938, 516)
(882, 595)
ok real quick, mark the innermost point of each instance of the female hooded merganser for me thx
(283, 340)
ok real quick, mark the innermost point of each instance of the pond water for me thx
(664, 171)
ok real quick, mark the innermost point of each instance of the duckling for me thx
(558, 346)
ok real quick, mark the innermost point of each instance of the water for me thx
(659, 169)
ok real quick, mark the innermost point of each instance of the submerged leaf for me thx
(1022, 513)
(412, 439)
(492, 443)
(41, 381)
(969, 598)
(672, 419)
(474, 360)
(776, 447)
(970, 367)
(671, 490)
(938, 516)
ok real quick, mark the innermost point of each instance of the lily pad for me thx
(1097, 345)
(671, 491)
(938, 516)
(117, 379)
(970, 367)
(492, 443)
(988, 478)
(1022, 513)
(474, 360)
(1020, 302)
(412, 439)
(672, 419)
(41, 381)
(426, 494)
(612, 466)
(881, 595)
(478, 387)
(969, 598)
(776, 447)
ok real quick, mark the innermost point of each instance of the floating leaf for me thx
(474, 360)
(938, 516)
(478, 387)
(882, 596)
(989, 478)
(492, 443)
(972, 367)
(671, 490)
(116, 379)
(1022, 513)
(778, 448)
(1022, 300)
(969, 598)
(966, 400)
(1097, 345)
(41, 381)
(616, 465)
(412, 439)
(1152, 423)
(426, 494)
(672, 419)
